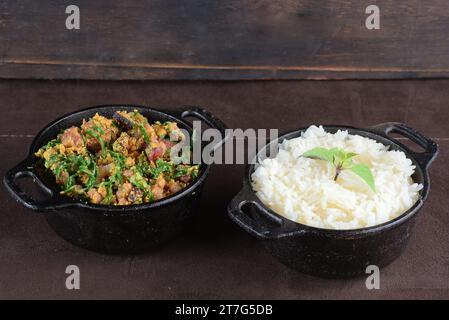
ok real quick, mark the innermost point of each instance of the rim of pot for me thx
(371, 229)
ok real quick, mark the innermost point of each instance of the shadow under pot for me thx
(328, 252)
(109, 228)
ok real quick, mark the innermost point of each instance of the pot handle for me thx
(204, 115)
(25, 169)
(276, 227)
(430, 147)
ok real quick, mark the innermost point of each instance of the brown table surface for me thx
(219, 260)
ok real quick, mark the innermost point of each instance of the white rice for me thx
(303, 189)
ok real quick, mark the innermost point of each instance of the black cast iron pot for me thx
(335, 253)
(107, 228)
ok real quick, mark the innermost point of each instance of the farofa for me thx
(120, 161)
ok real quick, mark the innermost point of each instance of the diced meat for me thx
(156, 150)
(94, 195)
(160, 181)
(186, 178)
(158, 188)
(123, 192)
(174, 186)
(157, 191)
(154, 153)
(71, 138)
(93, 144)
(102, 191)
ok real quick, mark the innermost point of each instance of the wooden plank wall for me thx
(232, 40)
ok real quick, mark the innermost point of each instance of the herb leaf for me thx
(138, 181)
(342, 160)
(320, 153)
(161, 167)
(144, 133)
(364, 172)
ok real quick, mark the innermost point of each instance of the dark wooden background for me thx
(234, 39)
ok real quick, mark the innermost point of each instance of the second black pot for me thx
(335, 253)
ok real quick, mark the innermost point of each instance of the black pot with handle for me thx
(108, 228)
(328, 252)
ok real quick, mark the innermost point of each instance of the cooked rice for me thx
(303, 189)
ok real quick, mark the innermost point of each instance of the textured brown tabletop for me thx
(217, 259)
